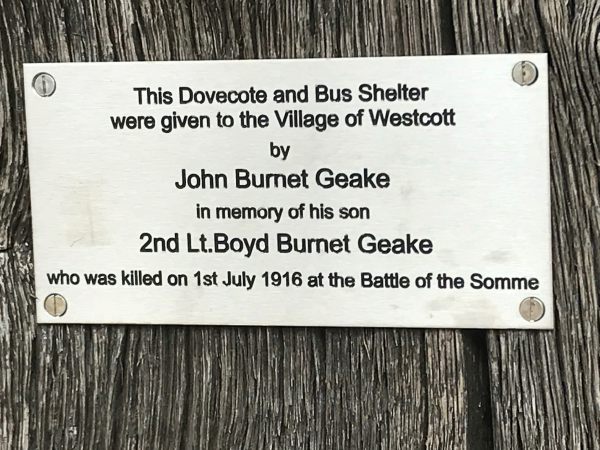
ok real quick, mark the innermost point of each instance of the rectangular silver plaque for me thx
(384, 192)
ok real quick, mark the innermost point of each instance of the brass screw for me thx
(56, 305)
(44, 84)
(525, 73)
(532, 309)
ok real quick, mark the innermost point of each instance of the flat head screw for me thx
(524, 73)
(532, 309)
(44, 84)
(56, 305)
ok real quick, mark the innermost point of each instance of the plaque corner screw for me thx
(532, 309)
(525, 73)
(44, 84)
(55, 305)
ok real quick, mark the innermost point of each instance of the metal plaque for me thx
(385, 192)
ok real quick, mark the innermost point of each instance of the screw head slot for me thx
(525, 73)
(532, 309)
(44, 84)
(55, 304)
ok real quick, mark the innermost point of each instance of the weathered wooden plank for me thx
(14, 181)
(207, 387)
(546, 385)
(16, 295)
(16, 347)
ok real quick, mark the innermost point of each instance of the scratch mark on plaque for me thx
(498, 256)
(90, 215)
(85, 225)
(76, 241)
(406, 191)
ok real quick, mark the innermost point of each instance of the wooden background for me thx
(113, 387)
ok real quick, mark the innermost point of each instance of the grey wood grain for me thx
(545, 386)
(110, 387)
